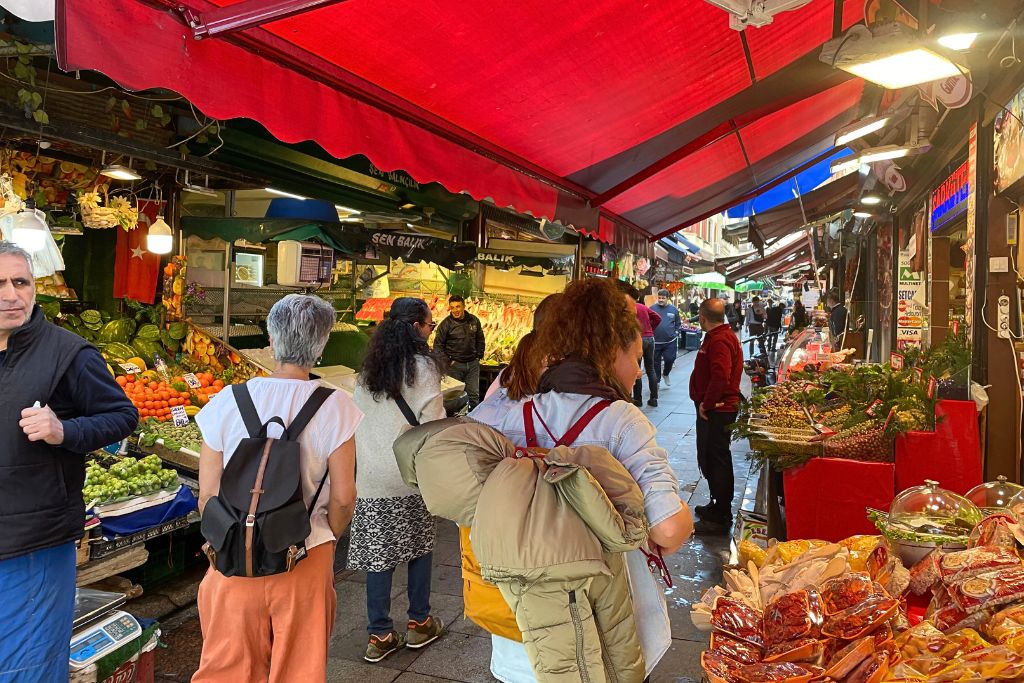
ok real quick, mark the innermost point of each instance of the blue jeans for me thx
(37, 606)
(378, 595)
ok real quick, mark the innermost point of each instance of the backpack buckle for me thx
(250, 520)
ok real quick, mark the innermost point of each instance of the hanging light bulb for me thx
(29, 229)
(160, 238)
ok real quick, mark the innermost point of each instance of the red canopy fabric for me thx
(551, 108)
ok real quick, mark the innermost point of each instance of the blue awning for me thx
(688, 244)
(679, 244)
(784, 192)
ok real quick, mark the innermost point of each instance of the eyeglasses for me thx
(430, 325)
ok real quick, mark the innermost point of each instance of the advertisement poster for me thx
(911, 318)
(1009, 135)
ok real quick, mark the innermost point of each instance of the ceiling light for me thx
(871, 199)
(958, 41)
(282, 193)
(894, 58)
(345, 209)
(883, 153)
(862, 214)
(408, 206)
(120, 172)
(29, 230)
(859, 129)
(160, 238)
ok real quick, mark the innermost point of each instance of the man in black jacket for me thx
(58, 402)
(460, 337)
(774, 314)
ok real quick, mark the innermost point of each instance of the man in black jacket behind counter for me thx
(58, 402)
(460, 337)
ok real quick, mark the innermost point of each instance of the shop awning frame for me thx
(620, 183)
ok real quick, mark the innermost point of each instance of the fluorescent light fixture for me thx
(120, 172)
(859, 129)
(862, 214)
(345, 209)
(282, 193)
(958, 41)
(871, 199)
(883, 153)
(845, 164)
(904, 69)
(199, 189)
(29, 230)
(894, 59)
(160, 238)
(407, 206)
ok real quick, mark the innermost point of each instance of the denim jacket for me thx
(622, 428)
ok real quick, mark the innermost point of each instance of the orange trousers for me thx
(268, 629)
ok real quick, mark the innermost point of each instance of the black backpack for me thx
(257, 525)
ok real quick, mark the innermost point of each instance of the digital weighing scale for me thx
(99, 627)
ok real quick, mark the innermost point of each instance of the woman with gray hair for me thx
(276, 628)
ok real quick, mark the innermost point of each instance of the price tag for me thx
(956, 327)
(892, 413)
(130, 368)
(933, 384)
(161, 367)
(896, 361)
(192, 380)
(873, 408)
(919, 375)
(179, 415)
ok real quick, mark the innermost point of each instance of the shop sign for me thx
(500, 260)
(949, 200)
(1009, 138)
(911, 319)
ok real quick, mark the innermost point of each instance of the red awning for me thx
(781, 261)
(654, 114)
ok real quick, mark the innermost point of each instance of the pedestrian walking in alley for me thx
(734, 314)
(799, 321)
(715, 390)
(666, 337)
(399, 387)
(460, 337)
(755, 320)
(276, 627)
(648, 320)
(593, 340)
(59, 402)
(774, 315)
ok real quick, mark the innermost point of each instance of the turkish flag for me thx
(135, 269)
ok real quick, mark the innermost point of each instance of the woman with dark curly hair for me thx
(590, 340)
(400, 385)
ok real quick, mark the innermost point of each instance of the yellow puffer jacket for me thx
(483, 602)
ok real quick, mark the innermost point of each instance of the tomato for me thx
(121, 380)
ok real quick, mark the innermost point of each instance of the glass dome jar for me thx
(931, 510)
(994, 497)
(812, 347)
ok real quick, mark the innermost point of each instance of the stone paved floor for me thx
(463, 655)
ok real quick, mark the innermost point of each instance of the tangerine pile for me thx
(153, 398)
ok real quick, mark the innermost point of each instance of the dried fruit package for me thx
(738, 620)
(849, 658)
(846, 591)
(719, 668)
(924, 640)
(771, 673)
(881, 563)
(803, 651)
(861, 619)
(871, 670)
(996, 663)
(964, 564)
(1006, 624)
(967, 640)
(988, 590)
(792, 616)
(736, 649)
(925, 573)
(994, 530)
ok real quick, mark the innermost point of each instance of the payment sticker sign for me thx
(911, 319)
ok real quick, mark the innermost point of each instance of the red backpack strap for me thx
(574, 432)
(531, 431)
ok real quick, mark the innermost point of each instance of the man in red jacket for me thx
(715, 389)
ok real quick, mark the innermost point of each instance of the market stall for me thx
(936, 593)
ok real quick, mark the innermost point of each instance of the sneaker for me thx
(421, 634)
(667, 382)
(380, 647)
(703, 511)
(653, 403)
(638, 404)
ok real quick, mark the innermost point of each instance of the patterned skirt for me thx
(388, 531)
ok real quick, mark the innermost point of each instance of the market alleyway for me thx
(464, 654)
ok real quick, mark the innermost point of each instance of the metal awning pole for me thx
(246, 14)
